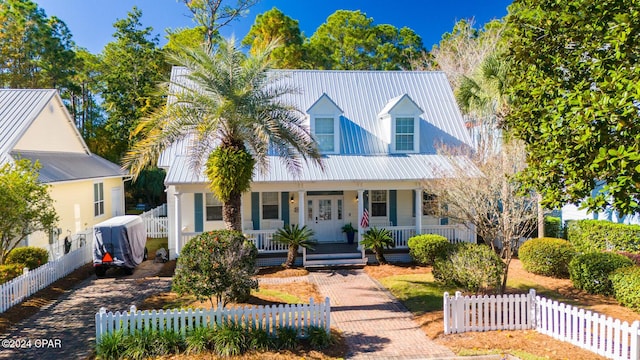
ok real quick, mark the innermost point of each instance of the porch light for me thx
(291, 199)
(356, 197)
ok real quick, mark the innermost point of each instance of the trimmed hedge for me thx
(601, 235)
(425, 249)
(553, 227)
(28, 256)
(626, 286)
(547, 256)
(10, 271)
(474, 267)
(590, 272)
(634, 257)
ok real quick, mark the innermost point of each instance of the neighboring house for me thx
(378, 132)
(86, 189)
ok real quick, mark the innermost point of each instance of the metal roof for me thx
(59, 166)
(18, 109)
(361, 95)
(413, 167)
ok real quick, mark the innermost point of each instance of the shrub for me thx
(626, 286)
(319, 338)
(287, 338)
(217, 264)
(425, 249)
(140, 345)
(377, 239)
(475, 268)
(111, 345)
(199, 340)
(260, 340)
(28, 256)
(229, 340)
(600, 235)
(553, 227)
(547, 256)
(10, 271)
(590, 272)
(634, 257)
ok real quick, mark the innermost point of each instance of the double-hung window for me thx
(98, 199)
(269, 205)
(325, 133)
(404, 134)
(378, 203)
(213, 207)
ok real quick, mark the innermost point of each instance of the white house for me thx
(378, 132)
(86, 189)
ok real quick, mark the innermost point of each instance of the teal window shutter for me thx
(198, 215)
(393, 207)
(284, 199)
(255, 210)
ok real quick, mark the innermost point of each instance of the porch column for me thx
(301, 208)
(418, 195)
(178, 224)
(360, 212)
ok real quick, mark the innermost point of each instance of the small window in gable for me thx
(325, 134)
(405, 134)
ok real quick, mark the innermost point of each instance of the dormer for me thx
(324, 122)
(401, 123)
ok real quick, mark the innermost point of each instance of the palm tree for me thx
(377, 239)
(230, 108)
(295, 237)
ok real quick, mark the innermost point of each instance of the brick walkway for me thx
(374, 323)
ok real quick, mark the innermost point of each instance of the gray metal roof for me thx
(18, 109)
(413, 167)
(59, 166)
(362, 96)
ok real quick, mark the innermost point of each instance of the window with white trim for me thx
(98, 199)
(379, 203)
(270, 209)
(404, 133)
(325, 133)
(213, 207)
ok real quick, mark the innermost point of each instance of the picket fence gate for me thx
(588, 330)
(16, 290)
(268, 318)
(156, 222)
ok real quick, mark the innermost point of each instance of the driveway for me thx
(65, 329)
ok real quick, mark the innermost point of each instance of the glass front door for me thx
(324, 217)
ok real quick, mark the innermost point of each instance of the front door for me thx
(325, 217)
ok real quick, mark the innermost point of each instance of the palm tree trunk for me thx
(380, 256)
(231, 213)
(291, 256)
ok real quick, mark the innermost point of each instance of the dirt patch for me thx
(528, 341)
(43, 297)
(280, 272)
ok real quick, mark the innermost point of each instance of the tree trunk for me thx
(380, 256)
(231, 213)
(540, 217)
(291, 256)
(503, 287)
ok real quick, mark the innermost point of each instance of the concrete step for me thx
(334, 256)
(335, 262)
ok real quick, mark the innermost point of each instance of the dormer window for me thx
(324, 117)
(401, 116)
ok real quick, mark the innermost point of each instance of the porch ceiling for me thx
(362, 168)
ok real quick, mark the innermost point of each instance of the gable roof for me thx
(19, 108)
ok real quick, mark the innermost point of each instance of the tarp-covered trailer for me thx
(119, 242)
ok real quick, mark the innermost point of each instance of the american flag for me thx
(364, 222)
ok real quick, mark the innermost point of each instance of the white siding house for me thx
(378, 131)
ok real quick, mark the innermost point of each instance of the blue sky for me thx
(91, 21)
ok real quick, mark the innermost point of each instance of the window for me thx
(325, 134)
(430, 204)
(213, 207)
(404, 134)
(270, 206)
(378, 203)
(98, 199)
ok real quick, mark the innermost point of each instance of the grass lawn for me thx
(153, 244)
(415, 287)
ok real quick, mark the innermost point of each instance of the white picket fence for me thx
(588, 330)
(156, 222)
(268, 318)
(16, 290)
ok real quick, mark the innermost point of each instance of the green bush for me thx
(590, 272)
(319, 338)
(601, 235)
(28, 256)
(553, 227)
(199, 340)
(475, 268)
(217, 264)
(287, 338)
(112, 346)
(10, 271)
(260, 340)
(425, 249)
(626, 286)
(634, 257)
(230, 340)
(547, 256)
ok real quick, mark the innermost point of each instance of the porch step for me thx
(335, 262)
(334, 256)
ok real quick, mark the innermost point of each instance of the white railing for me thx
(268, 318)
(263, 240)
(156, 222)
(588, 330)
(454, 233)
(16, 290)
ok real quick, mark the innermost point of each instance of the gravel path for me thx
(65, 329)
